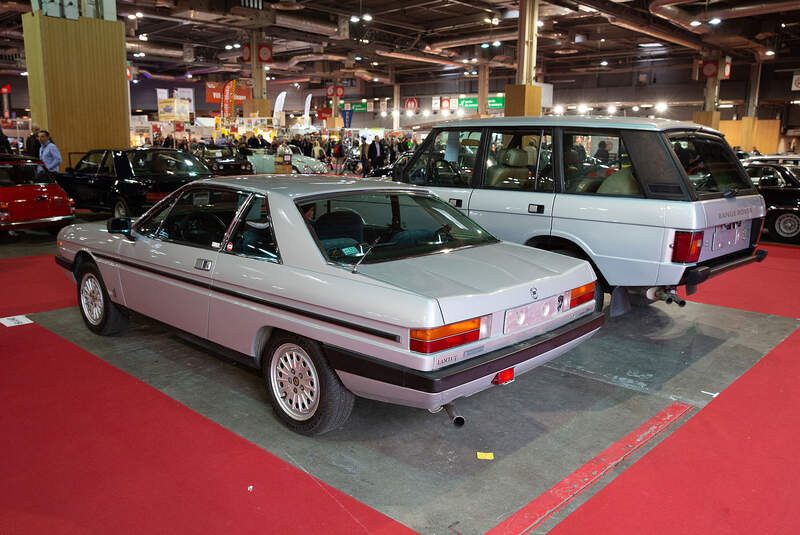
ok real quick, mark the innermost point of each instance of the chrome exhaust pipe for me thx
(455, 418)
(669, 297)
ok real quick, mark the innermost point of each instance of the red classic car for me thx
(30, 197)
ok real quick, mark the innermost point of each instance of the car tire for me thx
(785, 227)
(121, 208)
(599, 294)
(306, 394)
(99, 313)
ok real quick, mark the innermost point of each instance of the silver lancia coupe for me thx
(335, 289)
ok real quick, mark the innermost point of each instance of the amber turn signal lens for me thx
(582, 290)
(446, 330)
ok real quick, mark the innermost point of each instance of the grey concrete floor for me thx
(418, 469)
(414, 466)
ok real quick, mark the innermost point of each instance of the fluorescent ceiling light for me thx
(635, 108)
(661, 106)
(558, 109)
(726, 105)
(715, 21)
(612, 109)
(139, 14)
(354, 18)
(496, 43)
(695, 23)
(770, 52)
(604, 63)
(367, 17)
(485, 45)
(650, 45)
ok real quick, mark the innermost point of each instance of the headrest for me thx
(515, 158)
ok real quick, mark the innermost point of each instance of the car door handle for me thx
(535, 208)
(456, 202)
(42, 198)
(202, 264)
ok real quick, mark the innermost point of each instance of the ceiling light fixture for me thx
(409, 113)
(650, 45)
(612, 109)
(715, 21)
(266, 67)
(496, 43)
(464, 60)
(374, 63)
(237, 45)
(445, 113)
(228, 47)
(661, 107)
(142, 37)
(582, 108)
(135, 81)
(24, 73)
(474, 60)
(375, 80)
(131, 16)
(770, 52)
(695, 23)
(495, 21)
(485, 45)
(604, 63)
(635, 108)
(354, 18)
(540, 23)
(425, 113)
(474, 73)
(188, 75)
(558, 109)
(139, 14)
(358, 58)
(603, 40)
(367, 17)
(395, 113)
(384, 114)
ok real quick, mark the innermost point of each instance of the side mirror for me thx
(120, 225)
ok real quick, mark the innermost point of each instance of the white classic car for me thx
(263, 161)
(652, 204)
(335, 288)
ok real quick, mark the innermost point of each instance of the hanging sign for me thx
(410, 104)
(6, 89)
(796, 81)
(435, 101)
(173, 109)
(324, 113)
(329, 91)
(214, 93)
(265, 53)
(355, 106)
(445, 103)
(246, 53)
(227, 104)
(370, 106)
(347, 115)
(339, 91)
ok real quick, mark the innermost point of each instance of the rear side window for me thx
(709, 163)
(448, 161)
(21, 175)
(201, 216)
(254, 236)
(90, 163)
(520, 160)
(598, 163)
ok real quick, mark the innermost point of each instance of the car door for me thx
(447, 165)
(84, 179)
(515, 199)
(165, 272)
(105, 181)
(248, 271)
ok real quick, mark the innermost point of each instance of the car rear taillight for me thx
(447, 336)
(581, 294)
(504, 377)
(154, 197)
(4, 210)
(71, 205)
(687, 246)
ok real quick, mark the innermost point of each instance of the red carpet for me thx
(769, 287)
(34, 284)
(87, 448)
(732, 468)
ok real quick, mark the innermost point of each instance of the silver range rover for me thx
(652, 204)
(335, 288)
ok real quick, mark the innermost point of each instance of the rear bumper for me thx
(368, 377)
(698, 274)
(33, 223)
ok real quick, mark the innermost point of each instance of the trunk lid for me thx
(482, 280)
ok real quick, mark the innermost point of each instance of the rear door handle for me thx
(202, 264)
(456, 202)
(535, 208)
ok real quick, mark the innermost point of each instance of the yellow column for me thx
(748, 132)
(76, 81)
(707, 118)
(523, 100)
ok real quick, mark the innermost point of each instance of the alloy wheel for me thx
(92, 299)
(294, 381)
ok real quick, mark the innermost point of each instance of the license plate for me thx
(520, 318)
(730, 236)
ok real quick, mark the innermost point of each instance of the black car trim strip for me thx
(701, 273)
(461, 373)
(257, 300)
(63, 262)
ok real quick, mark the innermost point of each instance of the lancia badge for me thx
(534, 293)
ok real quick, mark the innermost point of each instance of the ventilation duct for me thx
(667, 9)
(135, 45)
(419, 58)
(316, 57)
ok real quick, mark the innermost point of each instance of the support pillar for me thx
(753, 88)
(525, 98)
(712, 94)
(83, 108)
(259, 76)
(397, 107)
(483, 89)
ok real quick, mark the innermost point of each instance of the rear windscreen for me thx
(20, 175)
(710, 164)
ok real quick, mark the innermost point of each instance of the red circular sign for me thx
(411, 104)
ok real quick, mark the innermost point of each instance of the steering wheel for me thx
(198, 224)
(453, 168)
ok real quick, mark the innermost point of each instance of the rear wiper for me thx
(730, 192)
(355, 266)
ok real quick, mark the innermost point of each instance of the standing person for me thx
(48, 152)
(5, 144)
(253, 142)
(375, 153)
(283, 149)
(32, 144)
(602, 152)
(365, 155)
(317, 151)
(338, 156)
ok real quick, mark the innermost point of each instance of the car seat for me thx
(511, 171)
(341, 224)
(621, 183)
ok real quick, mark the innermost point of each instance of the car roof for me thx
(13, 158)
(582, 121)
(295, 186)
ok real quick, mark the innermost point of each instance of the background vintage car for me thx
(336, 288)
(223, 160)
(30, 197)
(780, 186)
(127, 182)
(263, 161)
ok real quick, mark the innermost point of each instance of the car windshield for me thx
(399, 224)
(166, 162)
(23, 174)
(794, 170)
(295, 150)
(710, 164)
(219, 152)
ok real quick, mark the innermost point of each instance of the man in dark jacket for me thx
(375, 153)
(32, 144)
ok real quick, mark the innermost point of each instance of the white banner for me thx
(162, 94)
(188, 94)
(435, 103)
(277, 114)
(307, 111)
(370, 106)
(796, 81)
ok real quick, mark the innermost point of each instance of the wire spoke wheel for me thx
(295, 381)
(787, 225)
(92, 299)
